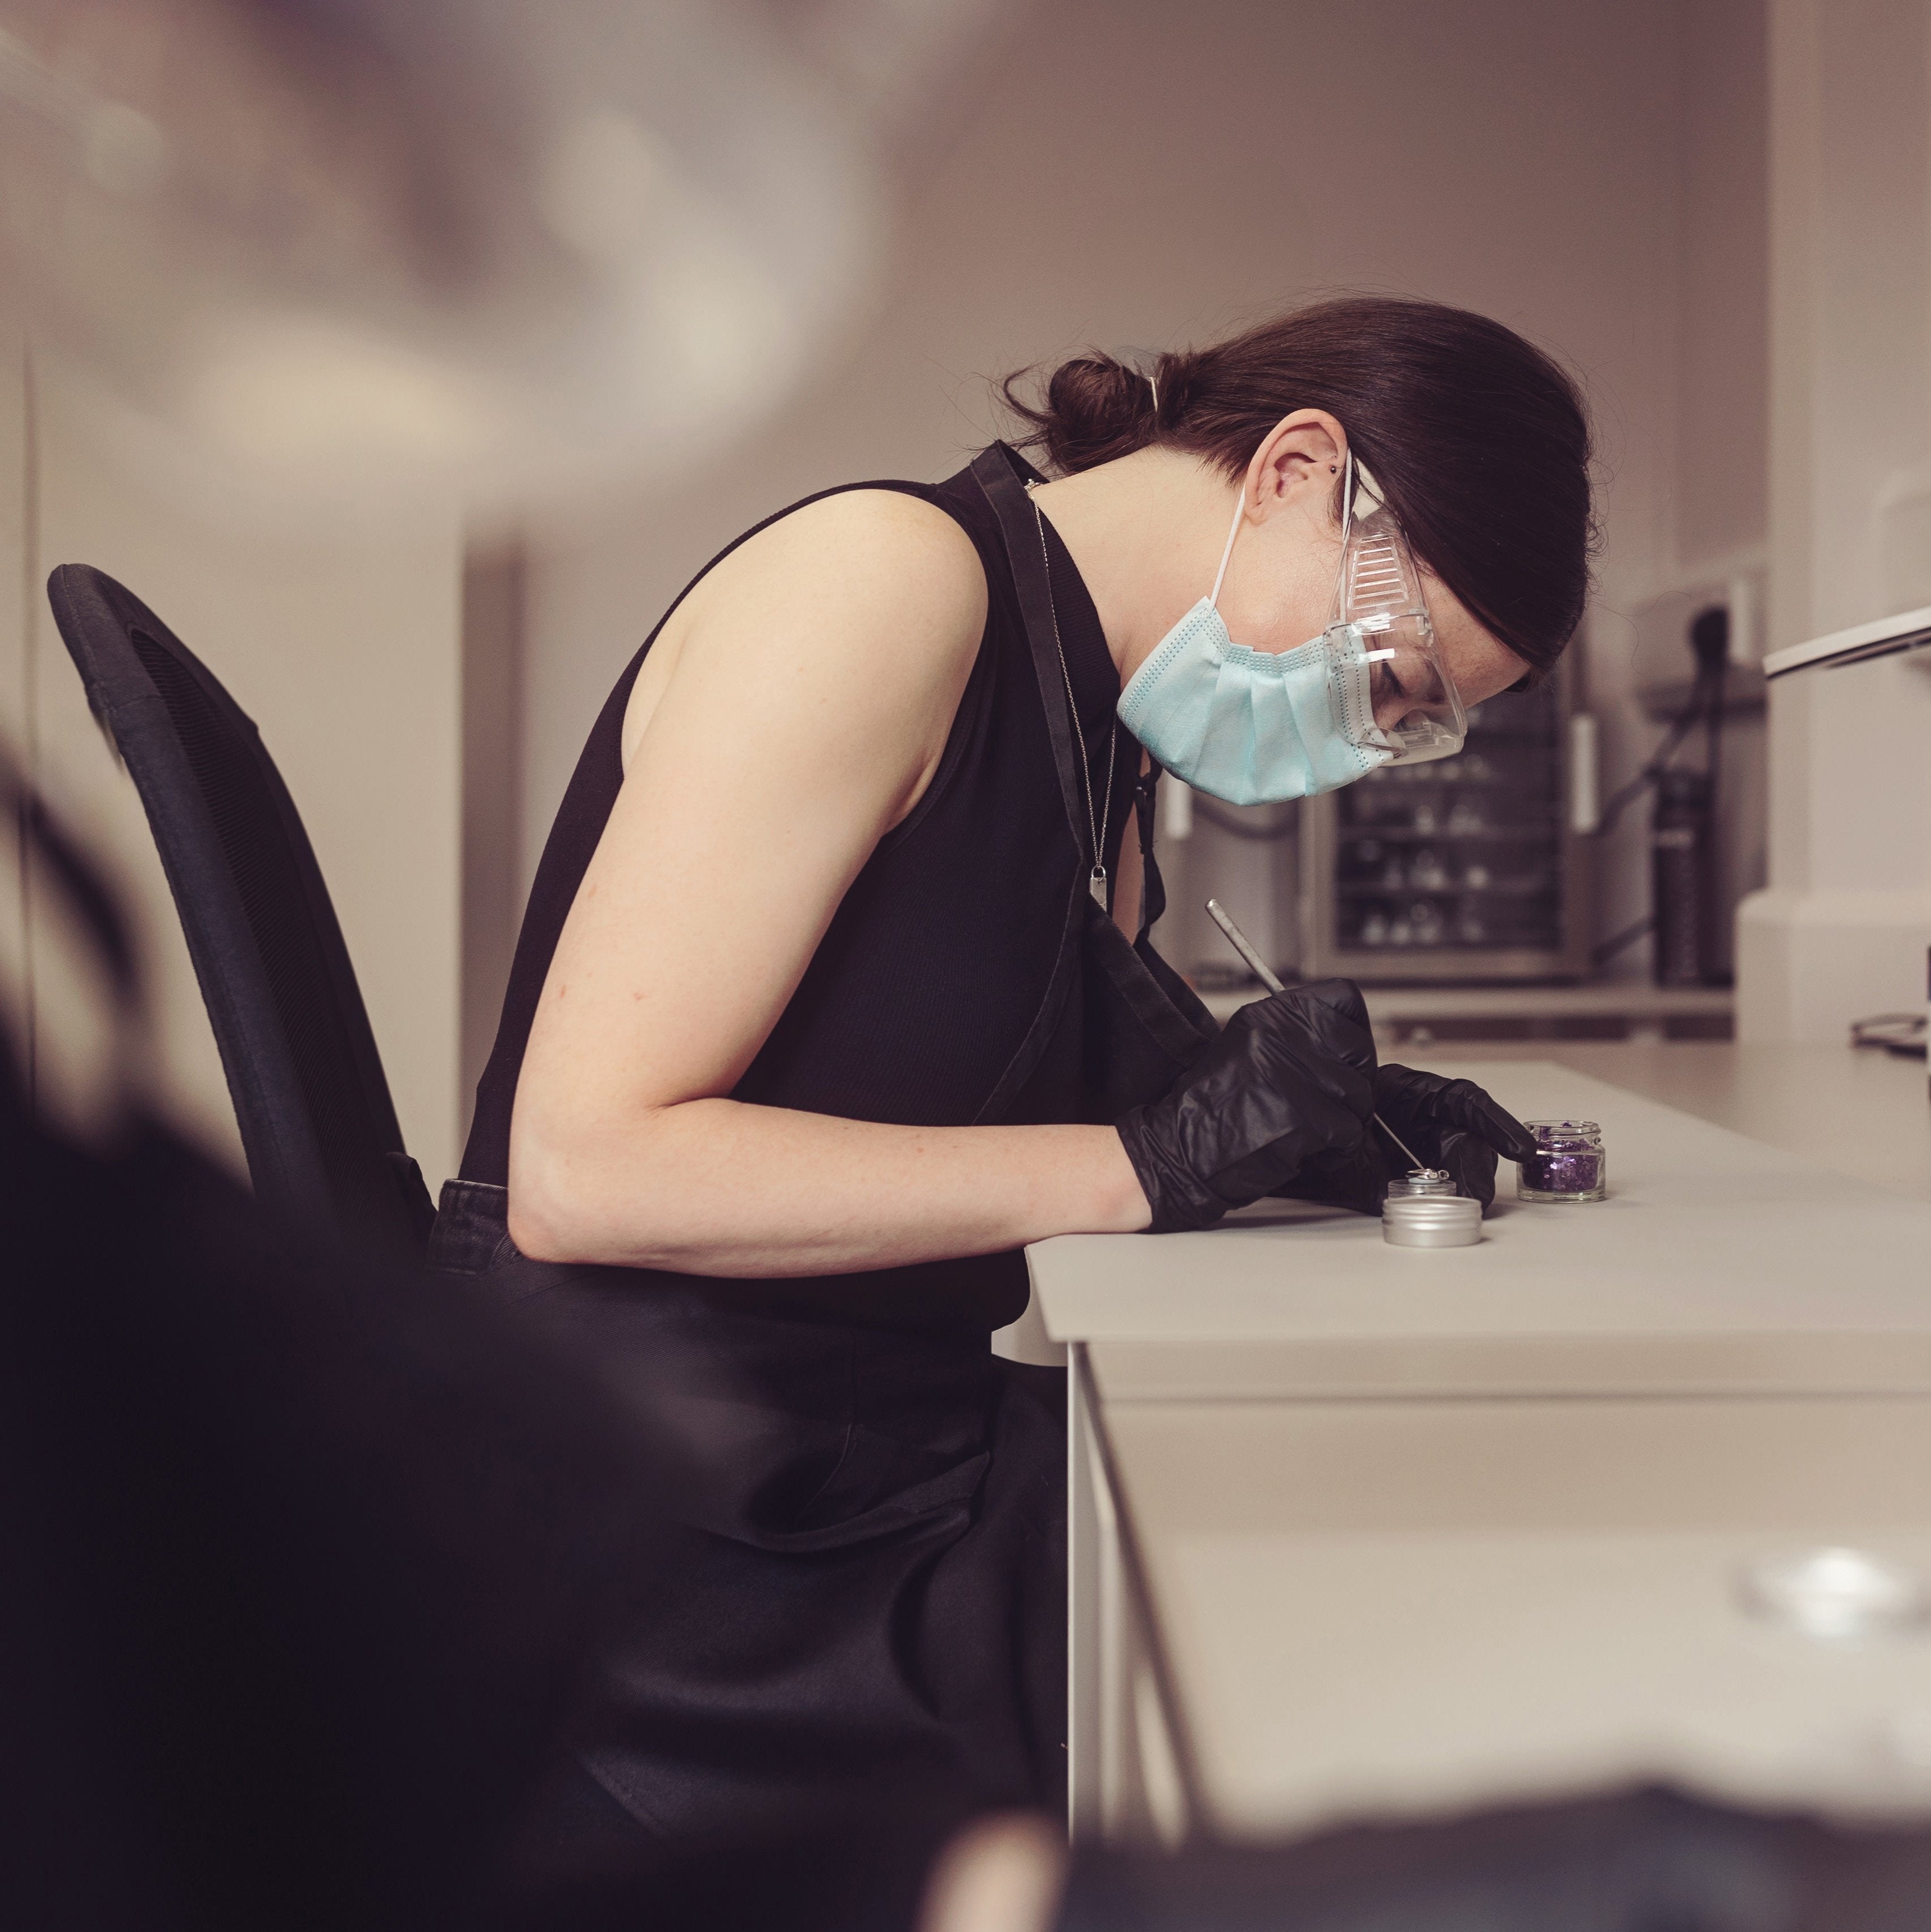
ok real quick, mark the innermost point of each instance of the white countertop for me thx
(1706, 1233)
(1858, 1111)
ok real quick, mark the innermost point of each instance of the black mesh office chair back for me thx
(317, 1124)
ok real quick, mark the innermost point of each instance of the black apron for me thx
(878, 1597)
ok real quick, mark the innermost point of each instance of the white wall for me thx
(1147, 175)
(1851, 301)
(1843, 927)
(340, 641)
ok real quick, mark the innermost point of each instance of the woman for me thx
(834, 989)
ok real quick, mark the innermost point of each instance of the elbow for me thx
(576, 1194)
(553, 1212)
(542, 1224)
(538, 1234)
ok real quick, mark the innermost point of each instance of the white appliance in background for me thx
(1841, 930)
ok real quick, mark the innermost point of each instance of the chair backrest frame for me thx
(317, 1123)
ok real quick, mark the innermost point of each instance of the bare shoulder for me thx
(867, 550)
(886, 522)
(873, 589)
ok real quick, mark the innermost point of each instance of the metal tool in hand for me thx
(1269, 978)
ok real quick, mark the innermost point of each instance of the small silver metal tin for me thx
(1431, 1221)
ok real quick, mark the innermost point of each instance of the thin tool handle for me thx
(1243, 945)
(1421, 1166)
(1269, 978)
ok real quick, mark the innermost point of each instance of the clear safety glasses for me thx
(1404, 706)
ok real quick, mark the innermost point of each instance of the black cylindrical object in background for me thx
(1681, 881)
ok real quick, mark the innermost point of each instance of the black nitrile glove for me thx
(1451, 1124)
(1290, 1078)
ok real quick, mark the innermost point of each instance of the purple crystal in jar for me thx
(1566, 1167)
(1568, 1163)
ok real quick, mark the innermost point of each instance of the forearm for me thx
(718, 1187)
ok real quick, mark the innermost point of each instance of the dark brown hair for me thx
(1478, 440)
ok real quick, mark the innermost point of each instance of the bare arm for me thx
(799, 714)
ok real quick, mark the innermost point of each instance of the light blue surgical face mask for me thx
(1255, 728)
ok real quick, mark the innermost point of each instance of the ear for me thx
(1299, 464)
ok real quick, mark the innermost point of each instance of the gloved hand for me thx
(1290, 1078)
(1449, 1123)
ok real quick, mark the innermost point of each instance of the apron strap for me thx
(1001, 474)
(996, 470)
(1154, 1029)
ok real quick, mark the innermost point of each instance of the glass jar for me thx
(1569, 1164)
(1422, 1181)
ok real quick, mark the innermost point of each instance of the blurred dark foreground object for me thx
(1651, 1861)
(302, 1557)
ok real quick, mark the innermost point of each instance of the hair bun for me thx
(1094, 409)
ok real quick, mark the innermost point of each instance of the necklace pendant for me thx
(1096, 885)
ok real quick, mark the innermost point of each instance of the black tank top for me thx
(949, 989)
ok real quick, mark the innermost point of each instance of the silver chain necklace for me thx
(1095, 885)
